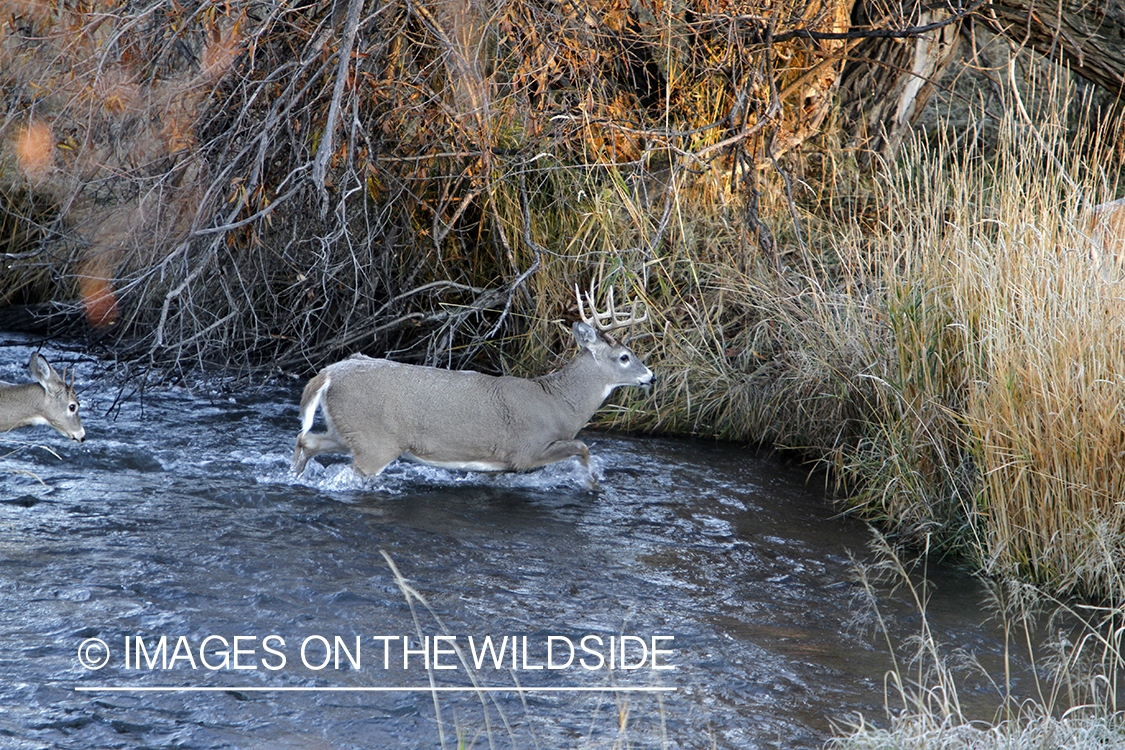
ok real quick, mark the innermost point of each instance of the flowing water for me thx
(175, 549)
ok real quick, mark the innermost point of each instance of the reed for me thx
(1072, 703)
(1009, 355)
(956, 361)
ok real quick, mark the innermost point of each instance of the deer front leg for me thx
(563, 449)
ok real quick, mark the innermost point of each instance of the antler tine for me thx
(599, 319)
(595, 319)
(632, 319)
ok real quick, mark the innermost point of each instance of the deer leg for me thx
(370, 461)
(562, 449)
(559, 450)
(310, 444)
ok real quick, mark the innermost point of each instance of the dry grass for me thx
(1011, 357)
(929, 732)
(958, 362)
(1075, 705)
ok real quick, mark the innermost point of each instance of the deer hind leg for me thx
(310, 444)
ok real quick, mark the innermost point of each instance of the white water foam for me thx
(403, 476)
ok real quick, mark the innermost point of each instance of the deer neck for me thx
(578, 386)
(19, 404)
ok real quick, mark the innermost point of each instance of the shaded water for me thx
(179, 518)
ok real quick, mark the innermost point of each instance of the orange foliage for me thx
(36, 11)
(34, 146)
(220, 54)
(99, 300)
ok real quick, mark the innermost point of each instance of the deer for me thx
(50, 400)
(379, 410)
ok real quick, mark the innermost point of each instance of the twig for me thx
(325, 149)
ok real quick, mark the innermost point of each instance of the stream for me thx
(171, 583)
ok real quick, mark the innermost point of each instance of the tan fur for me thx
(48, 401)
(379, 410)
(1105, 226)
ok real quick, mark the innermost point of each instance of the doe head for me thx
(60, 404)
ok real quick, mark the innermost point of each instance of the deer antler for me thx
(598, 319)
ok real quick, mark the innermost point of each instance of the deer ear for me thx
(586, 336)
(39, 370)
(44, 374)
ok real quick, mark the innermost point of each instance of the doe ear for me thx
(44, 374)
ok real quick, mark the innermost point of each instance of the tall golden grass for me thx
(958, 362)
(1010, 353)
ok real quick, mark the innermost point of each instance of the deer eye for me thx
(72, 408)
(624, 359)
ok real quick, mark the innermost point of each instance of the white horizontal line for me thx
(259, 689)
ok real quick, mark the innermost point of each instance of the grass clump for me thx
(1009, 364)
(920, 732)
(1075, 703)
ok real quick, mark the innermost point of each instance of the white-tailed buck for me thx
(49, 401)
(379, 410)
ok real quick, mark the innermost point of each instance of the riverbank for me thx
(956, 362)
(949, 346)
(1074, 652)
